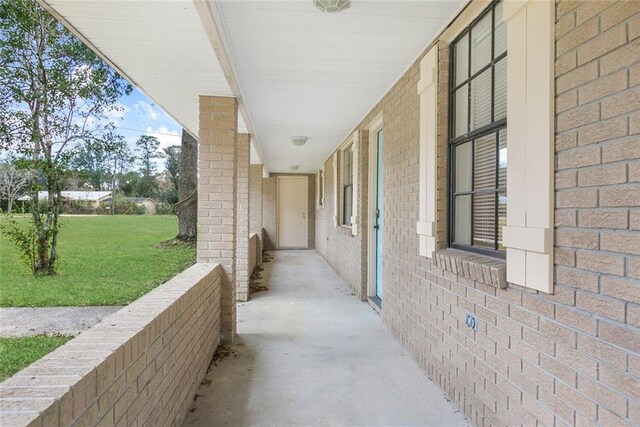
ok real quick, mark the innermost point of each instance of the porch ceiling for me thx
(304, 72)
(296, 70)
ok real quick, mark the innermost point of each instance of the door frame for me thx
(374, 127)
(306, 214)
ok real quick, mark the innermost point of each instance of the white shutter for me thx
(354, 184)
(324, 178)
(528, 235)
(336, 190)
(428, 91)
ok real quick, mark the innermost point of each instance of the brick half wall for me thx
(139, 366)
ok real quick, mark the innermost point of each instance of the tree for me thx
(55, 94)
(13, 182)
(187, 208)
(119, 154)
(147, 151)
(172, 163)
(92, 163)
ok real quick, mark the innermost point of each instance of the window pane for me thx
(484, 173)
(500, 90)
(502, 218)
(461, 110)
(348, 166)
(464, 167)
(462, 221)
(484, 220)
(502, 161)
(500, 43)
(481, 43)
(347, 200)
(481, 100)
(462, 59)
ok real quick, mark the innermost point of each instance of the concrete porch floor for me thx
(310, 353)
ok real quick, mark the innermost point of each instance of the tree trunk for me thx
(9, 204)
(187, 208)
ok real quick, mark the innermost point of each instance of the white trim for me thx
(354, 186)
(324, 179)
(373, 128)
(530, 126)
(428, 91)
(336, 187)
(320, 189)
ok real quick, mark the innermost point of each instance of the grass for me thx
(18, 353)
(103, 260)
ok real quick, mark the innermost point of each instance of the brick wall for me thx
(255, 208)
(254, 250)
(242, 219)
(269, 203)
(140, 366)
(255, 199)
(571, 358)
(343, 251)
(269, 208)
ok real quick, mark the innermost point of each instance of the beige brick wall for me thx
(269, 224)
(269, 208)
(343, 251)
(255, 207)
(242, 219)
(217, 202)
(571, 358)
(255, 199)
(254, 250)
(140, 366)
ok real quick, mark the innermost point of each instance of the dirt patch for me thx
(176, 243)
(256, 281)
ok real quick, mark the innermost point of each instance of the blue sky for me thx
(141, 117)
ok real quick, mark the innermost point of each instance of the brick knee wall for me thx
(254, 251)
(571, 358)
(141, 365)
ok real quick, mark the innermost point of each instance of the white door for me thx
(292, 211)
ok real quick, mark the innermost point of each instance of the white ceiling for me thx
(299, 71)
(304, 72)
(160, 46)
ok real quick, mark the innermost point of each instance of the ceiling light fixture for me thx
(294, 167)
(299, 140)
(332, 5)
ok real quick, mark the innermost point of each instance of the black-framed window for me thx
(347, 185)
(478, 134)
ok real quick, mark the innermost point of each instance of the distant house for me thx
(147, 203)
(93, 197)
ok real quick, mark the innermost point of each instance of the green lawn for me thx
(18, 353)
(103, 260)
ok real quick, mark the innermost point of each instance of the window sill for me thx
(481, 268)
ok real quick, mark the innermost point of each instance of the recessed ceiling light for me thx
(299, 140)
(294, 167)
(332, 5)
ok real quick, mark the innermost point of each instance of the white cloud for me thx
(165, 136)
(148, 110)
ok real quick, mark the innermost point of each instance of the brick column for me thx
(217, 187)
(255, 210)
(242, 218)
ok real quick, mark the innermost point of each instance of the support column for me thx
(255, 210)
(217, 188)
(242, 225)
